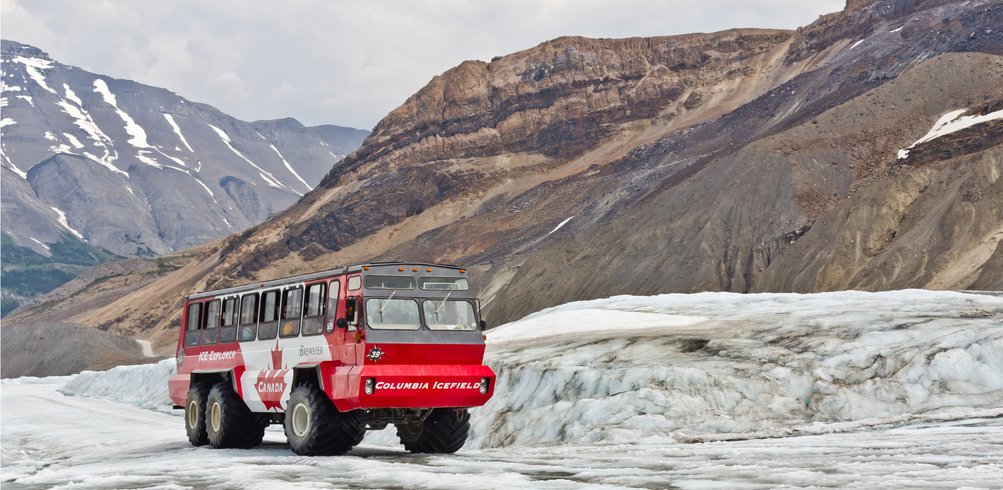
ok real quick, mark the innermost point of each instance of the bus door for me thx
(352, 313)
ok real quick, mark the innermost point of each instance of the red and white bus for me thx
(332, 354)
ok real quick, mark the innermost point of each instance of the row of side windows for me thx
(261, 315)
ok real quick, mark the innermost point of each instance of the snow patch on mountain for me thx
(137, 135)
(951, 122)
(61, 217)
(39, 242)
(10, 165)
(101, 140)
(33, 67)
(559, 226)
(265, 175)
(177, 131)
(208, 191)
(73, 140)
(288, 167)
(70, 94)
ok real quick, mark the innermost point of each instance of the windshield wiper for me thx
(442, 303)
(387, 301)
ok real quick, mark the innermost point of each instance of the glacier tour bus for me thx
(331, 354)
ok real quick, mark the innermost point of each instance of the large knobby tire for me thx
(315, 427)
(229, 423)
(195, 404)
(445, 430)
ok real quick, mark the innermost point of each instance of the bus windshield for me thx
(392, 314)
(449, 314)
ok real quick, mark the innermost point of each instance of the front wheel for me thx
(315, 427)
(445, 430)
(195, 404)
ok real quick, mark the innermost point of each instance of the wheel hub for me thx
(215, 417)
(193, 416)
(301, 420)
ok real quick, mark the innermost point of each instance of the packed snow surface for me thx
(849, 389)
(723, 365)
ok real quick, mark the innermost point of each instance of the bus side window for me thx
(210, 323)
(332, 305)
(313, 309)
(292, 312)
(192, 325)
(228, 328)
(352, 313)
(248, 317)
(269, 317)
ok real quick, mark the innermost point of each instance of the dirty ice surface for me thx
(713, 390)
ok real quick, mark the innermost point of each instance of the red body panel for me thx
(440, 354)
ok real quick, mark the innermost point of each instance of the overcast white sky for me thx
(342, 62)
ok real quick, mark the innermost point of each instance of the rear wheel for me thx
(195, 404)
(315, 427)
(445, 430)
(229, 423)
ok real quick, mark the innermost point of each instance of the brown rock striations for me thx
(558, 98)
(528, 117)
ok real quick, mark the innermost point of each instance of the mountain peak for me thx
(10, 49)
(282, 123)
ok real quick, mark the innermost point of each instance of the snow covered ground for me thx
(713, 390)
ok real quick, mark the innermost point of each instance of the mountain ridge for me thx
(60, 114)
(137, 170)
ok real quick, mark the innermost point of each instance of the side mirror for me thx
(483, 324)
(341, 323)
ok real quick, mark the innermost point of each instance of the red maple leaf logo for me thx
(277, 356)
(270, 386)
(272, 382)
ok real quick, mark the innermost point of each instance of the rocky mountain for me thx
(138, 170)
(862, 151)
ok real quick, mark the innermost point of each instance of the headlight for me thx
(370, 385)
(484, 385)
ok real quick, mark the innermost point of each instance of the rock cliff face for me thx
(745, 160)
(561, 97)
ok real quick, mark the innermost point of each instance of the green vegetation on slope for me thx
(25, 273)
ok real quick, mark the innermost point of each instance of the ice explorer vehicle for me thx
(332, 354)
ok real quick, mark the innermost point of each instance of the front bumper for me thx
(410, 386)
